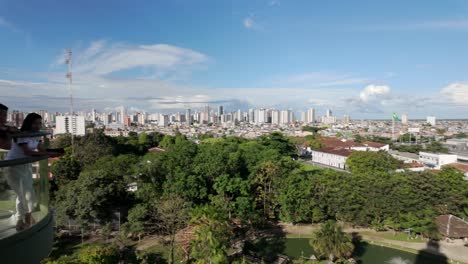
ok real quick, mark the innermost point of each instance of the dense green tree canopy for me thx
(362, 162)
(226, 180)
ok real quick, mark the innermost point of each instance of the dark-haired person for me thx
(20, 177)
(5, 139)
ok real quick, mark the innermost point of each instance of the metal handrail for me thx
(29, 134)
(27, 160)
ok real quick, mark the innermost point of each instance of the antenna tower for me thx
(69, 75)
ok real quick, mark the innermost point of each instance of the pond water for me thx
(365, 253)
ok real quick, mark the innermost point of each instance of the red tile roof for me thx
(459, 166)
(374, 144)
(414, 165)
(330, 142)
(336, 151)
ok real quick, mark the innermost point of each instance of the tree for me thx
(312, 129)
(137, 217)
(167, 141)
(212, 234)
(66, 169)
(330, 240)
(98, 254)
(232, 192)
(362, 162)
(436, 147)
(295, 197)
(315, 144)
(265, 177)
(98, 189)
(172, 214)
(61, 141)
(93, 146)
(461, 135)
(277, 141)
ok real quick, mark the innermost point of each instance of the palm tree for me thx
(331, 241)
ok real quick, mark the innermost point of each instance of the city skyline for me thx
(263, 54)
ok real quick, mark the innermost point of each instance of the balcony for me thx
(34, 243)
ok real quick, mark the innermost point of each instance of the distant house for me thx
(451, 226)
(333, 157)
(330, 142)
(436, 160)
(336, 151)
(406, 157)
(371, 146)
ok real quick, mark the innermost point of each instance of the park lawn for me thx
(298, 235)
(7, 205)
(164, 251)
(390, 236)
(309, 167)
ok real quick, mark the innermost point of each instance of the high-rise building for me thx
(251, 116)
(93, 115)
(17, 118)
(285, 116)
(328, 119)
(303, 117)
(74, 125)
(188, 117)
(310, 116)
(262, 116)
(275, 117)
(404, 118)
(163, 120)
(291, 118)
(127, 121)
(141, 118)
(107, 119)
(238, 116)
(123, 114)
(431, 120)
(346, 119)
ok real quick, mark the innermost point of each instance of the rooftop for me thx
(336, 151)
(459, 166)
(452, 226)
(374, 144)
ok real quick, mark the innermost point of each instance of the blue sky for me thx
(363, 58)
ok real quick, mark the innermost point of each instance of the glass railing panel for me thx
(21, 193)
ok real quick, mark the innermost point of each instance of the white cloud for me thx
(322, 79)
(249, 23)
(102, 58)
(6, 24)
(374, 91)
(274, 3)
(97, 84)
(456, 92)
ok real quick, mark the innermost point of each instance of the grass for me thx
(309, 167)
(7, 205)
(299, 236)
(390, 236)
(164, 251)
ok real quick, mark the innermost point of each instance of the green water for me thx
(365, 253)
